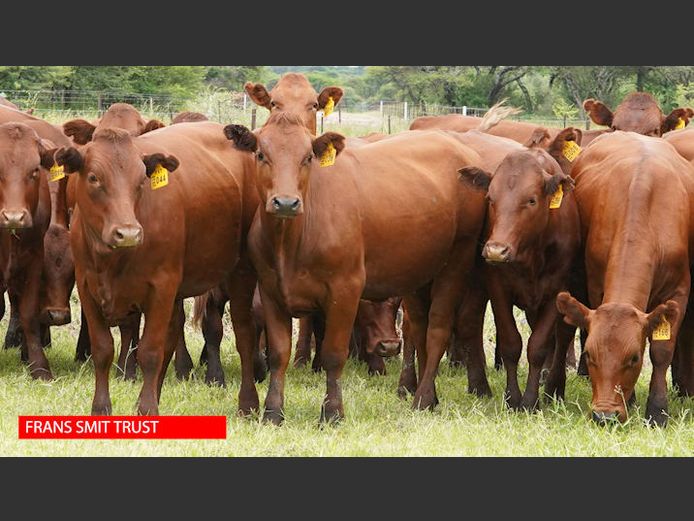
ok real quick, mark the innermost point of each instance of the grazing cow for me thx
(639, 112)
(293, 93)
(58, 280)
(325, 236)
(374, 334)
(188, 117)
(118, 115)
(634, 195)
(532, 242)
(142, 242)
(25, 212)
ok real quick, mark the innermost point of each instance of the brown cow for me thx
(375, 332)
(140, 249)
(118, 115)
(57, 272)
(326, 236)
(188, 117)
(532, 242)
(683, 141)
(293, 93)
(633, 194)
(639, 112)
(25, 212)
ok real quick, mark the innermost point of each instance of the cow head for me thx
(293, 93)
(375, 323)
(285, 152)
(519, 195)
(614, 349)
(640, 113)
(112, 177)
(22, 157)
(118, 115)
(58, 274)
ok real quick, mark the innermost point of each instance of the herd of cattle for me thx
(589, 230)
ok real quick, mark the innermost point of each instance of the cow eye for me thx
(308, 159)
(633, 360)
(532, 201)
(93, 179)
(260, 156)
(34, 174)
(273, 104)
(315, 105)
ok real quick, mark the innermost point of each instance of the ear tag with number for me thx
(662, 332)
(329, 107)
(160, 177)
(555, 201)
(328, 157)
(680, 124)
(570, 150)
(56, 173)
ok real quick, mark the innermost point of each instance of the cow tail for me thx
(200, 308)
(495, 114)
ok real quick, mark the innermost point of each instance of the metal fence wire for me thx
(228, 106)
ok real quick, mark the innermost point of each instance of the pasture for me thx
(377, 423)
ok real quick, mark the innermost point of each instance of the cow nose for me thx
(604, 418)
(56, 316)
(286, 206)
(495, 252)
(388, 349)
(127, 236)
(12, 220)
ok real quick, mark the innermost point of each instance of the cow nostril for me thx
(119, 235)
(276, 203)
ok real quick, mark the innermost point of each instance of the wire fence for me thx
(225, 106)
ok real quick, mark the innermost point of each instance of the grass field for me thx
(377, 423)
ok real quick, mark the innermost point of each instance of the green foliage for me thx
(233, 77)
(34, 77)
(562, 108)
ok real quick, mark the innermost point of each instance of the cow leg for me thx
(508, 339)
(242, 284)
(152, 351)
(683, 360)
(212, 332)
(340, 313)
(418, 317)
(278, 326)
(457, 355)
(173, 339)
(555, 383)
(131, 361)
(661, 352)
(470, 331)
(83, 347)
(303, 344)
(14, 336)
(407, 384)
(101, 343)
(126, 357)
(318, 326)
(29, 316)
(571, 353)
(582, 369)
(182, 363)
(260, 368)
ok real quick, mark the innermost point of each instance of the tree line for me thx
(545, 90)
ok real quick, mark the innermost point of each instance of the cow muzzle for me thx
(388, 349)
(126, 236)
(496, 253)
(56, 316)
(605, 418)
(285, 206)
(15, 220)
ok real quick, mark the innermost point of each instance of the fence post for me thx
(405, 112)
(151, 105)
(339, 115)
(388, 123)
(464, 110)
(321, 123)
(564, 120)
(245, 101)
(252, 119)
(100, 106)
(219, 111)
(587, 123)
(380, 103)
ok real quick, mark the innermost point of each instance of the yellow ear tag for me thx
(570, 150)
(56, 173)
(160, 177)
(662, 332)
(555, 201)
(328, 157)
(329, 107)
(680, 124)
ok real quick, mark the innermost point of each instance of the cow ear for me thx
(80, 130)
(243, 138)
(151, 162)
(475, 177)
(670, 311)
(540, 138)
(562, 150)
(47, 152)
(598, 112)
(672, 120)
(153, 124)
(575, 313)
(70, 158)
(335, 93)
(560, 178)
(321, 143)
(259, 94)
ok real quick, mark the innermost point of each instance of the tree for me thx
(233, 77)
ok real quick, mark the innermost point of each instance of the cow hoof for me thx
(213, 379)
(481, 390)
(331, 414)
(101, 409)
(425, 401)
(301, 361)
(513, 401)
(529, 404)
(377, 371)
(248, 405)
(273, 416)
(41, 373)
(656, 415)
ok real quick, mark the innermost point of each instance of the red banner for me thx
(123, 427)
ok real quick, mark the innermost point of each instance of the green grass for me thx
(377, 423)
